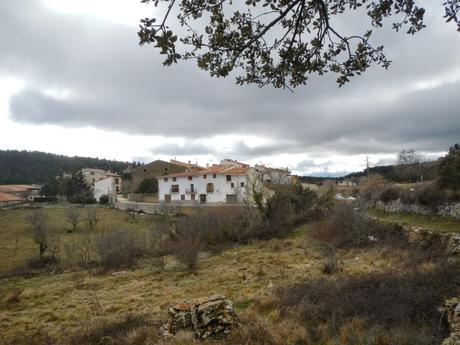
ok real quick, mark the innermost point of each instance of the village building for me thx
(154, 170)
(92, 176)
(346, 183)
(25, 192)
(109, 186)
(7, 199)
(216, 184)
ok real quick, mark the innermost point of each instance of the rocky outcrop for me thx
(206, 317)
(452, 311)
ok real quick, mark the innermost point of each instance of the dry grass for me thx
(62, 303)
(16, 246)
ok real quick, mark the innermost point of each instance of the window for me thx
(145, 170)
(242, 184)
(174, 179)
(229, 178)
(214, 175)
(182, 196)
(165, 179)
(116, 180)
(210, 188)
(117, 189)
(205, 176)
(166, 169)
(190, 178)
(232, 185)
(175, 188)
(192, 197)
(92, 172)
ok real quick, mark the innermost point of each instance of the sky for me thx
(74, 81)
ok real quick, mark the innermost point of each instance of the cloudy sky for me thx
(74, 81)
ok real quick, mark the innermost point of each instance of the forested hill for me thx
(26, 167)
(391, 173)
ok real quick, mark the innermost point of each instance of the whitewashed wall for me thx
(105, 186)
(222, 187)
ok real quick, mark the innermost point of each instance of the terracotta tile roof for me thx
(16, 188)
(215, 169)
(8, 197)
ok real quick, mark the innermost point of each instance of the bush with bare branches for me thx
(73, 218)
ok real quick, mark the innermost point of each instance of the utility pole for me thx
(367, 165)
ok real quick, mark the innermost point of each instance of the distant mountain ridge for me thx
(29, 167)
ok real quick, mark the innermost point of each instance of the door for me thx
(231, 199)
(167, 197)
(202, 198)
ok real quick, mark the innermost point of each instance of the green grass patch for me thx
(441, 224)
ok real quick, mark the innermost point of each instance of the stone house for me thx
(154, 169)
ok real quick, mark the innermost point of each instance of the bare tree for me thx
(39, 227)
(409, 165)
(92, 218)
(73, 218)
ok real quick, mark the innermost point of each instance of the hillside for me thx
(390, 173)
(26, 167)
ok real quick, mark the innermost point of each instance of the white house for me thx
(216, 184)
(108, 186)
(92, 176)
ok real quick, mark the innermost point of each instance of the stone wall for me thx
(451, 309)
(446, 210)
(424, 237)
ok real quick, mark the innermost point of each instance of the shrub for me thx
(389, 194)
(104, 199)
(92, 218)
(384, 301)
(128, 330)
(39, 228)
(408, 196)
(73, 218)
(449, 169)
(119, 249)
(430, 196)
(370, 188)
(188, 243)
(82, 198)
(148, 185)
(453, 196)
(347, 228)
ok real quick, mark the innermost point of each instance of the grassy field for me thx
(64, 302)
(16, 245)
(60, 302)
(441, 224)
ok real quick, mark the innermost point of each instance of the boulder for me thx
(206, 317)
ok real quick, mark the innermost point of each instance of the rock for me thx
(118, 273)
(452, 311)
(206, 317)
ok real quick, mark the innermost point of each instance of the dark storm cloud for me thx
(113, 84)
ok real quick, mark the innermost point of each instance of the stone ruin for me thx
(206, 317)
(452, 311)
